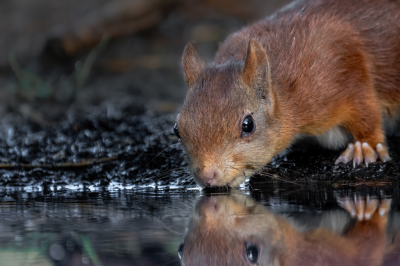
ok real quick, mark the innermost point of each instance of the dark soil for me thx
(126, 145)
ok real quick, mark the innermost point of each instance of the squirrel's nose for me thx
(208, 176)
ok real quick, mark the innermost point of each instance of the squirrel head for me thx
(228, 123)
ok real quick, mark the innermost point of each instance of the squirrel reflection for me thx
(235, 230)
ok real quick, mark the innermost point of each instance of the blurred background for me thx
(61, 58)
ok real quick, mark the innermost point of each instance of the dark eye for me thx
(248, 126)
(252, 252)
(176, 131)
(180, 251)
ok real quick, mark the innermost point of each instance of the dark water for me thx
(146, 227)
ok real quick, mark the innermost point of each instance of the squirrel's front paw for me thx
(363, 153)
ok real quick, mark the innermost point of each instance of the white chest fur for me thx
(335, 138)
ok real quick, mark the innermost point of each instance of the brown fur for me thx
(221, 225)
(305, 70)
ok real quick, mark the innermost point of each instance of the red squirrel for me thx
(235, 230)
(325, 68)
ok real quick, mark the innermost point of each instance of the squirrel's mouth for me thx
(223, 171)
(226, 183)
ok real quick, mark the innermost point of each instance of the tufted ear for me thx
(256, 64)
(192, 64)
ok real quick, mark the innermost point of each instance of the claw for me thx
(347, 155)
(358, 154)
(383, 152)
(363, 153)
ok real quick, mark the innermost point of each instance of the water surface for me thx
(147, 227)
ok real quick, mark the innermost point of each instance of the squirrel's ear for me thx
(192, 64)
(256, 63)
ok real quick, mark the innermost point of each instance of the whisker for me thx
(166, 173)
(251, 186)
(163, 151)
(259, 165)
(176, 168)
(166, 227)
(275, 176)
(159, 156)
(191, 182)
(234, 168)
(281, 179)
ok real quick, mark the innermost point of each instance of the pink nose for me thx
(208, 176)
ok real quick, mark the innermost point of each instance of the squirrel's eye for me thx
(248, 126)
(252, 252)
(176, 131)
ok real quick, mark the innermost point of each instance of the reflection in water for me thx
(126, 227)
(235, 230)
(85, 228)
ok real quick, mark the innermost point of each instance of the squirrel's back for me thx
(304, 27)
